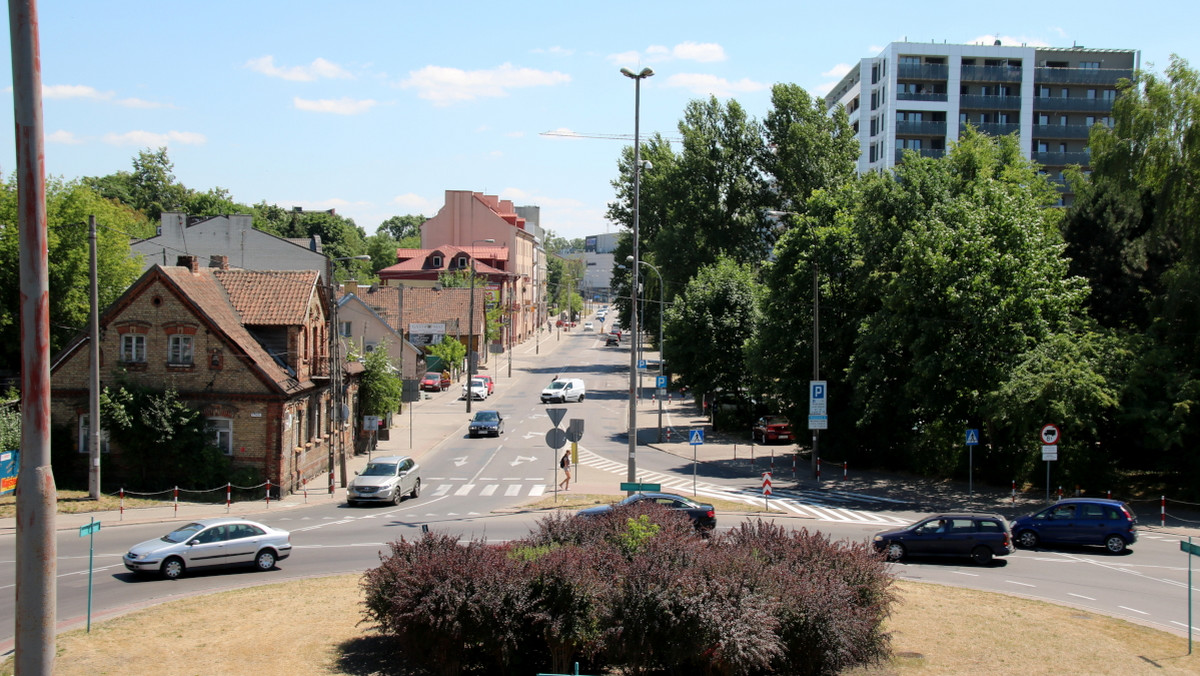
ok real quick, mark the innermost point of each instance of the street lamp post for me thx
(335, 377)
(471, 321)
(633, 317)
(662, 350)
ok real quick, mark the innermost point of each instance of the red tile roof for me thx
(270, 298)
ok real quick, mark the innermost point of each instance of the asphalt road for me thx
(473, 487)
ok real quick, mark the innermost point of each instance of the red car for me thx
(772, 428)
(491, 383)
(435, 382)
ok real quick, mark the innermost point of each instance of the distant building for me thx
(920, 96)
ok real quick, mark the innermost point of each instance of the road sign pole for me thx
(1190, 595)
(970, 470)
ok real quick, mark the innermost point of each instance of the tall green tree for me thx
(807, 148)
(380, 389)
(68, 205)
(403, 228)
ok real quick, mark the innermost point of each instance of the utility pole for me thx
(36, 550)
(94, 372)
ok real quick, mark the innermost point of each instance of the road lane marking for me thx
(512, 490)
(489, 489)
(537, 490)
(442, 490)
(1134, 610)
(1081, 596)
(464, 489)
(1021, 583)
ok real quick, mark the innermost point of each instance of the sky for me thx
(375, 109)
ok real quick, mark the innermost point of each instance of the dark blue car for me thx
(1079, 521)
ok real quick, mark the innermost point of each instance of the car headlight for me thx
(878, 538)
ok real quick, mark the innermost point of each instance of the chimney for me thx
(350, 286)
(190, 262)
(221, 262)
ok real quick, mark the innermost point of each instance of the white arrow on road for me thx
(459, 462)
(520, 459)
(530, 435)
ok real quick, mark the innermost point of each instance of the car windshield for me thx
(487, 416)
(775, 420)
(556, 385)
(432, 376)
(183, 534)
(380, 469)
(478, 382)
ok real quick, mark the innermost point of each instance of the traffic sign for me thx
(1190, 548)
(641, 488)
(766, 484)
(556, 415)
(87, 530)
(556, 438)
(816, 398)
(575, 429)
(696, 437)
(641, 363)
(660, 382)
(972, 437)
(1049, 434)
(818, 422)
(1049, 452)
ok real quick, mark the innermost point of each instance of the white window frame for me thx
(435, 261)
(346, 329)
(133, 348)
(85, 431)
(222, 429)
(181, 350)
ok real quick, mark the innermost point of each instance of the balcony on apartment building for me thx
(922, 71)
(1074, 104)
(1057, 131)
(990, 74)
(1061, 159)
(923, 152)
(1083, 76)
(998, 128)
(920, 128)
(921, 96)
(989, 102)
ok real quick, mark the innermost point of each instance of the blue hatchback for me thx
(1079, 521)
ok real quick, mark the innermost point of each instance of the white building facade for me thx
(920, 96)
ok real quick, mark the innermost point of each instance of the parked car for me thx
(612, 339)
(491, 383)
(387, 478)
(772, 428)
(435, 382)
(1079, 521)
(563, 390)
(588, 326)
(979, 536)
(210, 542)
(703, 516)
(486, 422)
(478, 389)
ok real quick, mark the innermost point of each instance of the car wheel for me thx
(265, 560)
(416, 489)
(981, 555)
(499, 430)
(581, 397)
(351, 503)
(397, 496)
(172, 568)
(1115, 544)
(1027, 539)
(470, 435)
(895, 551)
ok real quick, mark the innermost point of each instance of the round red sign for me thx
(1049, 434)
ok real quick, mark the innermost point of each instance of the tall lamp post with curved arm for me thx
(633, 317)
(471, 321)
(662, 350)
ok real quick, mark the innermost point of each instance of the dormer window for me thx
(435, 261)
(462, 262)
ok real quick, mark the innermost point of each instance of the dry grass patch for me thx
(311, 627)
(76, 502)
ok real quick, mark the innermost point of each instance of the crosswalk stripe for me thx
(442, 490)
(464, 489)
(512, 490)
(537, 490)
(489, 489)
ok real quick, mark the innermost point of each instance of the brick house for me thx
(368, 317)
(249, 349)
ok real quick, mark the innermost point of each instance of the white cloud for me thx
(444, 85)
(319, 68)
(414, 203)
(703, 52)
(1008, 41)
(65, 92)
(342, 106)
(701, 83)
(706, 52)
(838, 71)
(554, 51)
(149, 139)
(64, 137)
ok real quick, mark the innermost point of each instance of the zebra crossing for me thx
(509, 487)
(823, 505)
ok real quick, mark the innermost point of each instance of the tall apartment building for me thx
(920, 96)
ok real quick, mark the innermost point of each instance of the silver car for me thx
(210, 542)
(386, 479)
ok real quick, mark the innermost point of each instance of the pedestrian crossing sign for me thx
(696, 437)
(972, 437)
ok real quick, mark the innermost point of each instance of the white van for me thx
(563, 390)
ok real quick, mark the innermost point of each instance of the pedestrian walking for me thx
(565, 464)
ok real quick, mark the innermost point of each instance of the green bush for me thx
(633, 592)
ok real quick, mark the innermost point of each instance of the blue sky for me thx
(377, 108)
